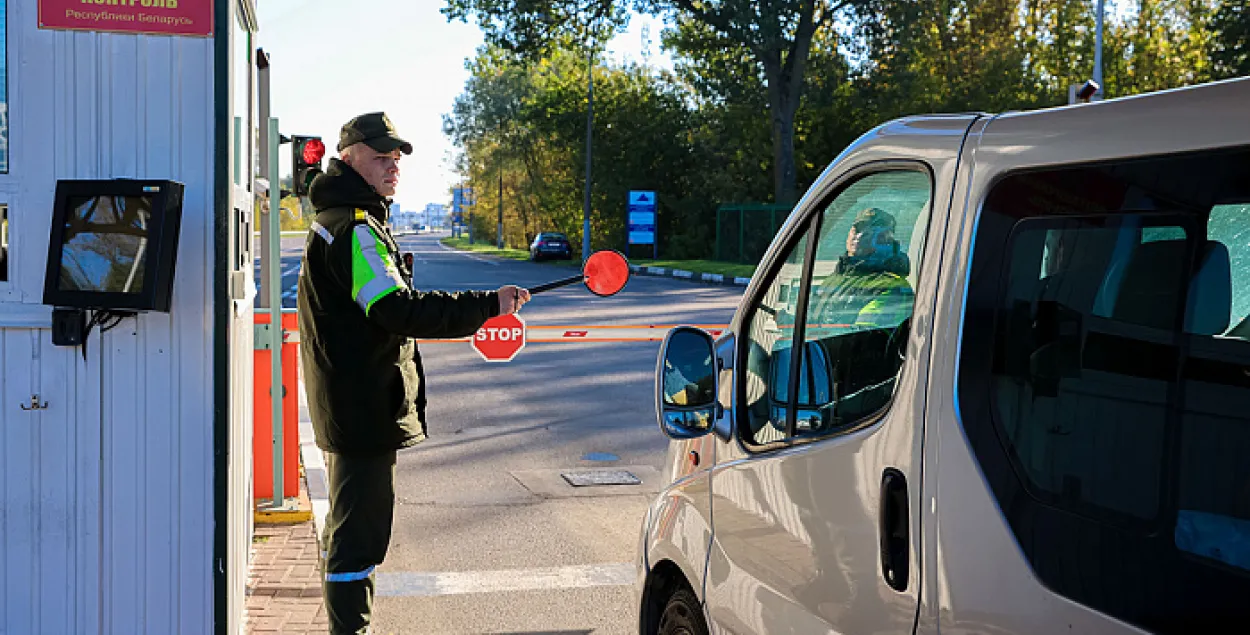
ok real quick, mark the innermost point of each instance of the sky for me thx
(330, 61)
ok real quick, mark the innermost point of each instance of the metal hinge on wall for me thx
(261, 335)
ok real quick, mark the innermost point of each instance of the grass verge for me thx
(488, 249)
(735, 269)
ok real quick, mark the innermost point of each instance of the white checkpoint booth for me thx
(125, 474)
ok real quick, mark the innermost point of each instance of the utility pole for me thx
(590, 122)
(1098, 51)
(267, 259)
(499, 224)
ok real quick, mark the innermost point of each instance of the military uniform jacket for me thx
(358, 315)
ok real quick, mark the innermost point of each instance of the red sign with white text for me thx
(500, 338)
(154, 17)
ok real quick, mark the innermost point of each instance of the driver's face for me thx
(864, 239)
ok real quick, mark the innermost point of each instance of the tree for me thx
(1230, 55)
(776, 36)
(526, 122)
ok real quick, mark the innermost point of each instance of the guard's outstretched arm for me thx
(434, 314)
(382, 294)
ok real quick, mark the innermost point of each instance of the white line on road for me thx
(410, 584)
(466, 254)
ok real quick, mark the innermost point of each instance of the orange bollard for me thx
(262, 428)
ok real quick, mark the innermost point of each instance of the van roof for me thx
(1172, 121)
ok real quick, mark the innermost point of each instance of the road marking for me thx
(466, 254)
(411, 584)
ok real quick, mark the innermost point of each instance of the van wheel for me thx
(682, 615)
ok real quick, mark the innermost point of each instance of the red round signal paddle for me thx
(604, 273)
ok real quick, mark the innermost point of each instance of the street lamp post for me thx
(1098, 51)
(590, 121)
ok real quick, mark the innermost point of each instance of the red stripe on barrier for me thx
(586, 334)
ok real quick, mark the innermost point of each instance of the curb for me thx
(301, 514)
(314, 467)
(709, 278)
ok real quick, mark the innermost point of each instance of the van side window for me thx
(860, 299)
(1105, 381)
(769, 340)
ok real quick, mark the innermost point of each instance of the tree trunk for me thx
(785, 63)
(785, 173)
(782, 109)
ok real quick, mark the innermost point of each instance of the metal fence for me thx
(744, 230)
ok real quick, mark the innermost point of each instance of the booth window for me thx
(4, 243)
(4, 91)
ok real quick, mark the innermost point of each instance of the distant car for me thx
(550, 245)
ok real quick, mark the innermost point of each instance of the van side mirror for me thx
(686, 383)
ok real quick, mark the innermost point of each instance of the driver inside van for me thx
(868, 286)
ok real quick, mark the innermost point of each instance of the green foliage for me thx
(526, 123)
(1230, 43)
(293, 218)
(757, 82)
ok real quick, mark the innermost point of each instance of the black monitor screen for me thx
(105, 244)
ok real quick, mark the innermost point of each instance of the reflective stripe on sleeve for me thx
(354, 576)
(373, 273)
(321, 231)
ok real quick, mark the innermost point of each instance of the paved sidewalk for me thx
(284, 582)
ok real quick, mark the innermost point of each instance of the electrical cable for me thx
(106, 320)
(86, 332)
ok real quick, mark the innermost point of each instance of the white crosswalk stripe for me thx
(409, 584)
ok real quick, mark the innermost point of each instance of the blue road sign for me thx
(462, 197)
(641, 226)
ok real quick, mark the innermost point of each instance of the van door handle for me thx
(894, 525)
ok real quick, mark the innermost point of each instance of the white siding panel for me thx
(49, 493)
(86, 575)
(20, 508)
(54, 466)
(108, 495)
(123, 484)
(193, 339)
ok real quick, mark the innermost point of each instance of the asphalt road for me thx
(488, 537)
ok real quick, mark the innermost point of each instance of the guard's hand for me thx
(512, 298)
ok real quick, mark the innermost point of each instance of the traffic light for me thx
(306, 155)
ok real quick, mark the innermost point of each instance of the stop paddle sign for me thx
(500, 338)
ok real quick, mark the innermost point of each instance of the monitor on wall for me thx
(113, 244)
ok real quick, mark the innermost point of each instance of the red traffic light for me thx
(314, 150)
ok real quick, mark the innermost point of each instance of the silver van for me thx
(992, 376)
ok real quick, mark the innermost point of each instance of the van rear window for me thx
(1105, 381)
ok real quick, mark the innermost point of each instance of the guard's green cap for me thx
(374, 130)
(875, 217)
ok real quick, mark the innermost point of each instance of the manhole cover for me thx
(590, 478)
(601, 456)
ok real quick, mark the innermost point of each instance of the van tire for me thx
(682, 615)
